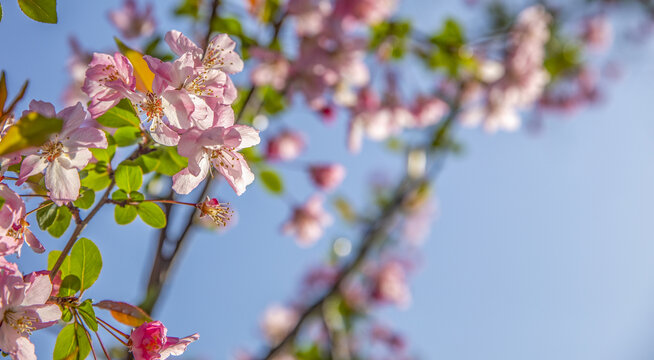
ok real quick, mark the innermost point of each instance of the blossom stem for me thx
(375, 234)
(43, 206)
(169, 201)
(79, 321)
(78, 229)
(112, 334)
(106, 354)
(113, 328)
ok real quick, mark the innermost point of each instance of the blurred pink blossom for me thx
(133, 22)
(308, 222)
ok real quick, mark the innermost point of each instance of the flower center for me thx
(222, 156)
(220, 213)
(23, 323)
(111, 74)
(198, 85)
(152, 344)
(213, 56)
(152, 106)
(52, 150)
(16, 231)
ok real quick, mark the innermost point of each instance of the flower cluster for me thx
(187, 104)
(524, 77)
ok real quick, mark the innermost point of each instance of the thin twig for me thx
(78, 230)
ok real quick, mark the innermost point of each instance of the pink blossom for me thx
(24, 310)
(177, 94)
(524, 78)
(149, 342)
(217, 147)
(365, 11)
(273, 68)
(308, 222)
(428, 111)
(14, 229)
(216, 211)
(286, 146)
(65, 154)
(219, 55)
(133, 22)
(391, 285)
(277, 321)
(597, 32)
(327, 176)
(77, 64)
(108, 80)
(309, 15)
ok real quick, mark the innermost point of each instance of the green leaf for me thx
(126, 136)
(129, 177)
(66, 315)
(136, 196)
(119, 195)
(72, 343)
(272, 181)
(97, 177)
(40, 10)
(31, 130)
(124, 215)
(273, 101)
(85, 262)
(0, 12)
(46, 216)
(120, 115)
(170, 163)
(65, 267)
(61, 222)
(152, 214)
(70, 285)
(88, 314)
(86, 199)
(2, 202)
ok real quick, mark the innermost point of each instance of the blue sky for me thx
(543, 248)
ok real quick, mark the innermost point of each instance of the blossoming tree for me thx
(165, 110)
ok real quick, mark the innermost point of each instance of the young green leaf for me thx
(120, 115)
(126, 136)
(97, 177)
(70, 285)
(61, 222)
(272, 181)
(46, 216)
(65, 265)
(72, 343)
(124, 215)
(129, 177)
(88, 314)
(86, 262)
(31, 130)
(86, 199)
(44, 11)
(152, 214)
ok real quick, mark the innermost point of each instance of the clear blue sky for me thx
(544, 248)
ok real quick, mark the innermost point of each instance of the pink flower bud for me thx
(327, 176)
(149, 342)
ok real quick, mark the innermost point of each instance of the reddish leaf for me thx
(125, 313)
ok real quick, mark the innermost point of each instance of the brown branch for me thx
(80, 225)
(213, 14)
(162, 263)
(376, 233)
